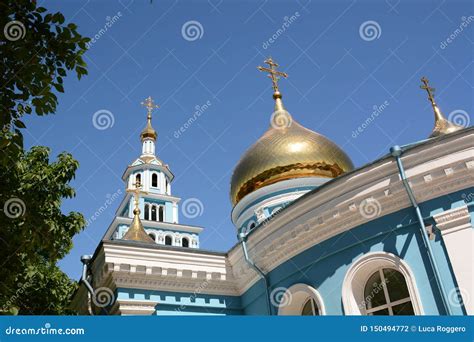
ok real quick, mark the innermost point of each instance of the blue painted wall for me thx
(324, 266)
(175, 303)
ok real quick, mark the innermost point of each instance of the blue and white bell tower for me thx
(158, 209)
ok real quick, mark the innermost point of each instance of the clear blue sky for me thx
(335, 80)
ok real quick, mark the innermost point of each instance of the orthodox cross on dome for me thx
(136, 193)
(428, 89)
(150, 105)
(273, 73)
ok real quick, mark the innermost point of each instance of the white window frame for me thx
(297, 295)
(358, 274)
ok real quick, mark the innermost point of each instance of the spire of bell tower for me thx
(148, 135)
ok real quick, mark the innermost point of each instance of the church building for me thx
(316, 236)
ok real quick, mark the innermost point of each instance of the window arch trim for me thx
(359, 272)
(299, 294)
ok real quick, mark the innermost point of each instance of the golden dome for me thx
(148, 131)
(287, 150)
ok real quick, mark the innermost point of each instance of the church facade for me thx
(316, 236)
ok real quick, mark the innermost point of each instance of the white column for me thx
(175, 213)
(458, 236)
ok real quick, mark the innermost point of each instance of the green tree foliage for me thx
(37, 51)
(34, 232)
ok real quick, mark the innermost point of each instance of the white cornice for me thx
(120, 265)
(452, 220)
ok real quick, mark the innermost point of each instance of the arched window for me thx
(168, 240)
(386, 293)
(147, 212)
(167, 186)
(380, 283)
(300, 300)
(310, 308)
(152, 236)
(153, 212)
(185, 242)
(252, 225)
(160, 214)
(154, 180)
(138, 178)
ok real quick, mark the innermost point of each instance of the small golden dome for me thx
(287, 150)
(148, 131)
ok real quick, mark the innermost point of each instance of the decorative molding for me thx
(452, 220)
(133, 307)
